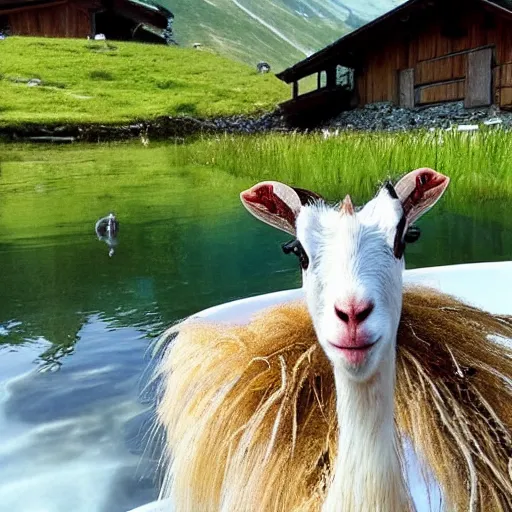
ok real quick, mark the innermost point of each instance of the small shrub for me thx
(101, 47)
(166, 84)
(58, 85)
(99, 74)
(94, 46)
(186, 108)
(74, 51)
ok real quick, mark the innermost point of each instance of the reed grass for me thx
(479, 163)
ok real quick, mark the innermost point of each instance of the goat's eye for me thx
(412, 234)
(296, 248)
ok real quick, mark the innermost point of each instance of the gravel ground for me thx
(386, 116)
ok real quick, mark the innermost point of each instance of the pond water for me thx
(76, 325)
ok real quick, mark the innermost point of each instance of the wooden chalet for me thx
(117, 19)
(421, 53)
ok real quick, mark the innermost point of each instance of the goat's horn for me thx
(346, 206)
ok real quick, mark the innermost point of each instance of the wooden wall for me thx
(503, 85)
(439, 61)
(61, 20)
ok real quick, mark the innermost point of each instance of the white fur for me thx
(351, 257)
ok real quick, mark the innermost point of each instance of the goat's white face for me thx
(352, 261)
(353, 283)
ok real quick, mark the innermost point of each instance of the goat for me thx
(306, 407)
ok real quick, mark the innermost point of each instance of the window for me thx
(322, 79)
(344, 77)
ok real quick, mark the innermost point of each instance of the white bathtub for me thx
(485, 285)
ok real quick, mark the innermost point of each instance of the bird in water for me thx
(107, 229)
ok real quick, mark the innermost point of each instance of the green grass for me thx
(479, 165)
(103, 82)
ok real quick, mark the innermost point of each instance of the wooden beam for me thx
(295, 89)
(454, 54)
(319, 80)
(440, 92)
(505, 99)
(331, 76)
(479, 79)
(406, 92)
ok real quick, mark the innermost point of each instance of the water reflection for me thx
(174, 269)
(71, 439)
(74, 439)
(107, 229)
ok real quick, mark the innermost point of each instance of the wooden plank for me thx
(437, 93)
(427, 45)
(457, 52)
(503, 75)
(478, 78)
(406, 94)
(63, 20)
(32, 8)
(503, 40)
(506, 97)
(380, 78)
(440, 70)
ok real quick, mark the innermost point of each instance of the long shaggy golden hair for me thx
(250, 420)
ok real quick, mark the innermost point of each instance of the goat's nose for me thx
(354, 312)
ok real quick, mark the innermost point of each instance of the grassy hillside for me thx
(274, 33)
(97, 81)
(280, 32)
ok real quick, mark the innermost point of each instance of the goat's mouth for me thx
(355, 355)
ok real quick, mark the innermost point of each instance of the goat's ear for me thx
(419, 191)
(276, 204)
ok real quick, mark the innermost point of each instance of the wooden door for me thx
(479, 78)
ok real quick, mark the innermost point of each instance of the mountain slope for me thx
(280, 32)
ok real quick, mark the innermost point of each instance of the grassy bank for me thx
(479, 163)
(115, 82)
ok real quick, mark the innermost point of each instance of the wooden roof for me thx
(347, 50)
